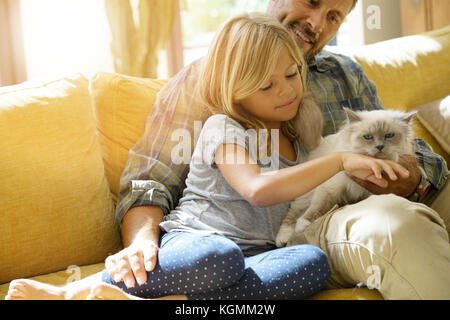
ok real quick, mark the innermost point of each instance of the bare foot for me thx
(33, 290)
(105, 291)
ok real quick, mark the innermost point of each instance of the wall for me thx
(374, 20)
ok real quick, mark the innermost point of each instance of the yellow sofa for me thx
(64, 144)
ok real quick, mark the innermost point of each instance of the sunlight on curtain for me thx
(138, 34)
(62, 37)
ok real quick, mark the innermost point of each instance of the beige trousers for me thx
(388, 243)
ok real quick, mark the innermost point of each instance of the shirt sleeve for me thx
(434, 171)
(143, 193)
(367, 89)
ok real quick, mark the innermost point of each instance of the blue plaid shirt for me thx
(335, 81)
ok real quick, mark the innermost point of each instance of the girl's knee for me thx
(213, 260)
(222, 260)
(312, 258)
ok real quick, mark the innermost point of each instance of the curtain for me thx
(12, 61)
(138, 35)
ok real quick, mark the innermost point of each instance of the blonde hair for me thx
(241, 58)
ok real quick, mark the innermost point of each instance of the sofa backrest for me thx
(56, 207)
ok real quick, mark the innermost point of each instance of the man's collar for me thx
(319, 62)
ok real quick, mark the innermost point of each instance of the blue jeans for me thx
(214, 267)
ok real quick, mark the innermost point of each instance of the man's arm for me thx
(151, 181)
(140, 236)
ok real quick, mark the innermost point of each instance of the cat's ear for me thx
(407, 117)
(351, 115)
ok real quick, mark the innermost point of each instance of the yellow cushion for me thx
(348, 294)
(121, 105)
(56, 206)
(408, 71)
(62, 277)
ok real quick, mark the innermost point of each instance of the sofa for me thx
(64, 143)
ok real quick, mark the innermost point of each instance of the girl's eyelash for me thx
(266, 88)
(292, 75)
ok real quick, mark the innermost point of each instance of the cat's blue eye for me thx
(368, 137)
(389, 135)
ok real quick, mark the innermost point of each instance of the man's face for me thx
(313, 23)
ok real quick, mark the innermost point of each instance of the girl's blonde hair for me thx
(241, 58)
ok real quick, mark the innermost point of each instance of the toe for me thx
(14, 294)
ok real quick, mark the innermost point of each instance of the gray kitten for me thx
(383, 134)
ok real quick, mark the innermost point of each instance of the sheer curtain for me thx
(12, 66)
(139, 33)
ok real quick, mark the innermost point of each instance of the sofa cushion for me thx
(121, 104)
(60, 278)
(56, 206)
(408, 71)
(71, 274)
(435, 116)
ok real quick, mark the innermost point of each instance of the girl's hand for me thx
(371, 169)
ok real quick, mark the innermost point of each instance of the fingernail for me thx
(140, 280)
(129, 283)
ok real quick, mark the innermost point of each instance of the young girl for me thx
(219, 243)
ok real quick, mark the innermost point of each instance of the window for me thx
(201, 18)
(62, 37)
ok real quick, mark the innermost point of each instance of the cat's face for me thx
(382, 134)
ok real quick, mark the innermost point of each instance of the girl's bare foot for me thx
(24, 289)
(105, 291)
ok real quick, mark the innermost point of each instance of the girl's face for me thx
(279, 98)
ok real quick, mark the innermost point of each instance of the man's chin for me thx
(309, 51)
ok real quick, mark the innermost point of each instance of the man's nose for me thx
(316, 21)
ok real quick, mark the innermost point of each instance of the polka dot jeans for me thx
(214, 267)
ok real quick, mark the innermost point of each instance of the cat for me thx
(384, 134)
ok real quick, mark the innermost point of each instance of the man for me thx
(386, 242)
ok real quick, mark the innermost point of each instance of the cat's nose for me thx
(380, 147)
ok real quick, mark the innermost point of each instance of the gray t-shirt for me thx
(211, 206)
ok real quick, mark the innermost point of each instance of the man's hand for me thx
(133, 262)
(140, 235)
(402, 187)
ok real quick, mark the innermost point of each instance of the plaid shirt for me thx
(151, 178)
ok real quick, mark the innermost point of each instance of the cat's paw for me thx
(283, 236)
(301, 225)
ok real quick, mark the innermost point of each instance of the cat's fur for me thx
(355, 136)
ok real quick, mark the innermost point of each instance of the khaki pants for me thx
(386, 242)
